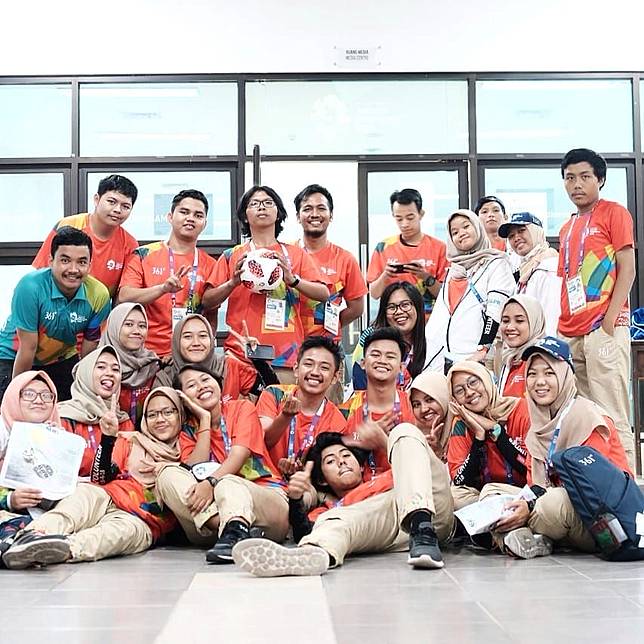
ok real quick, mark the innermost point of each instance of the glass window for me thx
(158, 119)
(541, 192)
(9, 277)
(554, 116)
(30, 205)
(156, 190)
(340, 178)
(36, 121)
(357, 117)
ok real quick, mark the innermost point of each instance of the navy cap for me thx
(519, 219)
(554, 347)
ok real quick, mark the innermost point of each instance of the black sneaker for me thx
(222, 551)
(423, 548)
(32, 548)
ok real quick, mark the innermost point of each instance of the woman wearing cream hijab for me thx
(429, 397)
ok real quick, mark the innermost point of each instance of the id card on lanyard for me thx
(310, 432)
(365, 416)
(574, 284)
(555, 438)
(274, 307)
(180, 312)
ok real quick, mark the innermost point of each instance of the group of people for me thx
(487, 354)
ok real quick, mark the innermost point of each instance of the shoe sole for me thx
(425, 561)
(265, 558)
(38, 553)
(524, 544)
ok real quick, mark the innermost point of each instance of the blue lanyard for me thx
(310, 432)
(192, 279)
(91, 437)
(401, 375)
(225, 435)
(582, 243)
(555, 438)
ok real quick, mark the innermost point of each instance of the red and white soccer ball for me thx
(261, 272)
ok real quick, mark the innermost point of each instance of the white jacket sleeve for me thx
(500, 286)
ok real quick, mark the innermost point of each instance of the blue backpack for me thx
(637, 324)
(606, 499)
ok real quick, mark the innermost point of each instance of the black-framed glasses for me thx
(165, 413)
(30, 395)
(256, 203)
(473, 383)
(405, 306)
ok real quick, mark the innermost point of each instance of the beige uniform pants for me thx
(96, 528)
(555, 517)
(603, 369)
(234, 497)
(464, 495)
(378, 524)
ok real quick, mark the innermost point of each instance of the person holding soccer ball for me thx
(273, 316)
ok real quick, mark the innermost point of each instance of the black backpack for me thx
(606, 499)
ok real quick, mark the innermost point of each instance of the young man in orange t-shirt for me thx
(293, 415)
(597, 264)
(272, 317)
(411, 256)
(409, 506)
(170, 278)
(338, 267)
(111, 243)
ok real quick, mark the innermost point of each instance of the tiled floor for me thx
(170, 595)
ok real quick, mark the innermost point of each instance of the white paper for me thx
(43, 457)
(479, 517)
(639, 528)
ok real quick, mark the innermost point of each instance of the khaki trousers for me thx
(379, 523)
(555, 517)
(603, 369)
(96, 528)
(464, 495)
(234, 497)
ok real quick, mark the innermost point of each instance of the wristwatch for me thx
(295, 282)
(483, 347)
(496, 431)
(213, 480)
(429, 281)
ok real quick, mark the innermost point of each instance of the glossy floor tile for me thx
(170, 595)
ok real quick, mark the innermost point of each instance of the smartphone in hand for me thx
(260, 352)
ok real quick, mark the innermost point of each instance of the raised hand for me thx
(174, 282)
(193, 408)
(109, 422)
(292, 405)
(300, 482)
(369, 435)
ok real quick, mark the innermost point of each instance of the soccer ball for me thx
(261, 271)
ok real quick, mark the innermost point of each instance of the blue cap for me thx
(554, 347)
(519, 219)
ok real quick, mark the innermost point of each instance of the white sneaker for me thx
(523, 543)
(265, 558)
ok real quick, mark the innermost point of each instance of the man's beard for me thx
(315, 234)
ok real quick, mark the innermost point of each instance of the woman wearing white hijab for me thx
(467, 312)
(538, 270)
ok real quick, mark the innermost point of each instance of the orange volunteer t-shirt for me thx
(497, 469)
(431, 252)
(109, 256)
(380, 483)
(239, 378)
(515, 382)
(150, 266)
(92, 435)
(354, 411)
(130, 496)
(610, 229)
(244, 305)
(270, 404)
(341, 273)
(131, 400)
(242, 428)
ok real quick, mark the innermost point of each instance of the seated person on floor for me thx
(406, 507)
(193, 342)
(560, 419)
(118, 513)
(487, 443)
(243, 490)
(93, 407)
(292, 416)
(381, 402)
(126, 332)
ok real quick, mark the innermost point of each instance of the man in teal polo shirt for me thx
(49, 309)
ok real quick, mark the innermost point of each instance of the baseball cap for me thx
(554, 347)
(519, 219)
(483, 200)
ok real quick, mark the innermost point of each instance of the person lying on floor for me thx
(243, 488)
(118, 513)
(407, 506)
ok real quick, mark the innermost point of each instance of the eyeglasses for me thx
(30, 395)
(256, 203)
(472, 383)
(405, 306)
(166, 413)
